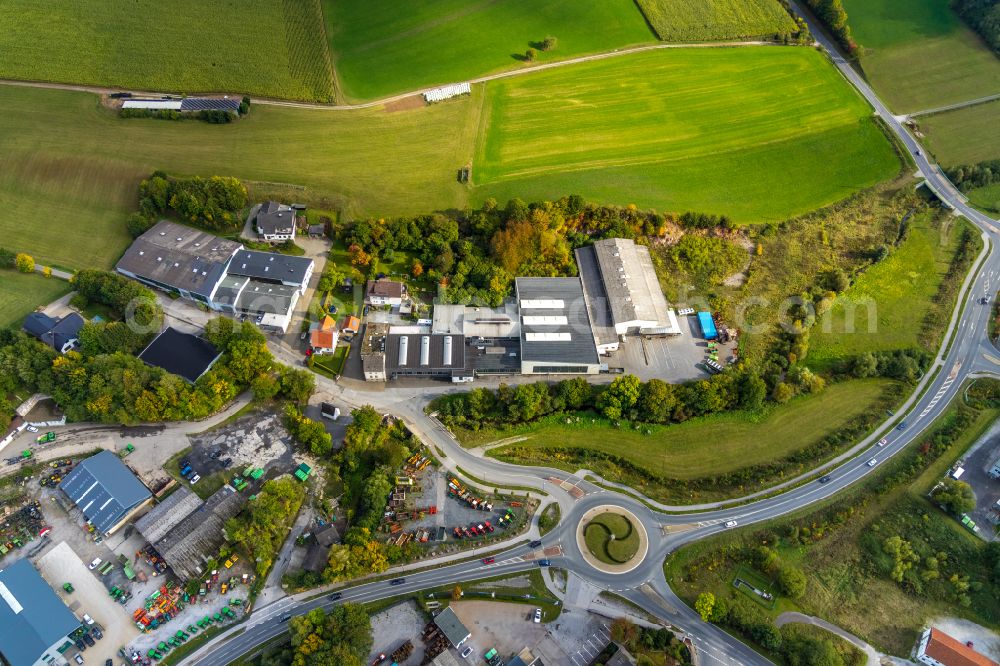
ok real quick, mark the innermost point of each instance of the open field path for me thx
(395, 98)
(955, 106)
(790, 617)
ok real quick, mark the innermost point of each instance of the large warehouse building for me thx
(623, 292)
(556, 335)
(219, 273)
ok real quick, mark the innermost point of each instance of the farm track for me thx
(395, 98)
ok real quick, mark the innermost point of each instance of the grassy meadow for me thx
(901, 290)
(723, 130)
(379, 49)
(986, 198)
(271, 48)
(964, 136)
(684, 21)
(69, 168)
(20, 293)
(702, 448)
(918, 54)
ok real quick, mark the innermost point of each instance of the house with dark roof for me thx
(385, 292)
(61, 334)
(937, 648)
(34, 622)
(272, 268)
(452, 627)
(319, 550)
(275, 222)
(180, 354)
(106, 491)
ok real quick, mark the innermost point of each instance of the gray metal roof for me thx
(597, 298)
(229, 289)
(104, 489)
(197, 538)
(630, 281)
(265, 297)
(32, 616)
(555, 325)
(177, 257)
(166, 515)
(451, 626)
(424, 352)
(275, 218)
(270, 266)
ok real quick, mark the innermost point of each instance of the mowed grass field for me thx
(272, 48)
(381, 47)
(685, 21)
(69, 168)
(709, 445)
(986, 198)
(20, 293)
(964, 136)
(760, 133)
(890, 300)
(919, 55)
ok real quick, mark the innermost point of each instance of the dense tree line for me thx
(475, 255)
(342, 636)
(261, 527)
(834, 17)
(983, 16)
(308, 432)
(970, 176)
(214, 202)
(139, 314)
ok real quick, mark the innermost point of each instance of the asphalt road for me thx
(966, 352)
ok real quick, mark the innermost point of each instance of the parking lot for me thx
(61, 565)
(977, 464)
(256, 439)
(672, 359)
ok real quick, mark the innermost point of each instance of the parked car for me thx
(489, 560)
(195, 479)
(397, 581)
(731, 523)
(79, 645)
(98, 634)
(467, 651)
(78, 658)
(226, 462)
(824, 479)
(93, 565)
(538, 615)
(89, 640)
(872, 462)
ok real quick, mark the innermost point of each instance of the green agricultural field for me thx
(381, 48)
(684, 21)
(986, 198)
(273, 48)
(722, 130)
(69, 168)
(919, 55)
(890, 300)
(699, 448)
(964, 136)
(20, 293)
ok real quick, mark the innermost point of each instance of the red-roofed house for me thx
(351, 325)
(323, 342)
(937, 648)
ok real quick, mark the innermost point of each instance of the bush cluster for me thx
(214, 203)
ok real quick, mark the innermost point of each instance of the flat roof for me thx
(178, 257)
(266, 297)
(556, 328)
(598, 306)
(180, 353)
(424, 351)
(104, 489)
(32, 616)
(630, 281)
(270, 266)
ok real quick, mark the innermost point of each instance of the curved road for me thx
(966, 352)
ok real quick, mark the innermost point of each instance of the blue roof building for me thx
(106, 491)
(34, 622)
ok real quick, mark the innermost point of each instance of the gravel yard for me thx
(396, 625)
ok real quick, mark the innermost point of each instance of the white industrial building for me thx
(623, 292)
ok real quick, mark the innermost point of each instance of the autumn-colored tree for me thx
(358, 255)
(456, 593)
(704, 604)
(416, 268)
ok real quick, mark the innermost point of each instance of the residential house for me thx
(385, 292)
(275, 222)
(61, 334)
(350, 326)
(323, 342)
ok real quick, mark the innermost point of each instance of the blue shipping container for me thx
(707, 325)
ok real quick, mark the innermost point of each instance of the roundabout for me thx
(612, 539)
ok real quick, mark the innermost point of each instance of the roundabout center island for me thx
(612, 539)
